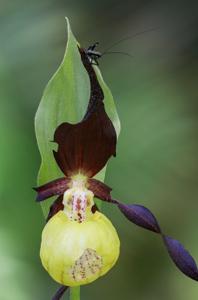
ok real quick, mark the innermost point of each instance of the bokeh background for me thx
(156, 94)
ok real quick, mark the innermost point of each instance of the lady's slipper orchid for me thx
(79, 243)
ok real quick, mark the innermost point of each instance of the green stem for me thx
(75, 293)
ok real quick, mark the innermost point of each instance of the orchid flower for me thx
(79, 244)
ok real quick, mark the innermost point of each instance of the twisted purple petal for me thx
(181, 257)
(60, 292)
(142, 217)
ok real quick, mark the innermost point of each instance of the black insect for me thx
(94, 55)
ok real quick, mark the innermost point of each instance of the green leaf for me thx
(65, 99)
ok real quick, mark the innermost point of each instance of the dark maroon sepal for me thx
(100, 190)
(55, 187)
(55, 207)
(181, 257)
(85, 147)
(60, 292)
(140, 216)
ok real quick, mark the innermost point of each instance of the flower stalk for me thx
(75, 293)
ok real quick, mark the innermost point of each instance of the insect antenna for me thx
(117, 52)
(128, 38)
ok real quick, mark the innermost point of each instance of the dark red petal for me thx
(100, 190)
(181, 257)
(55, 207)
(141, 216)
(55, 187)
(86, 146)
(60, 292)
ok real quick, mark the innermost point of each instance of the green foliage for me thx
(65, 99)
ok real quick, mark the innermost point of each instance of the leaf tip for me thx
(67, 21)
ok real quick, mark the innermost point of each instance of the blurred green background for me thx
(156, 94)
